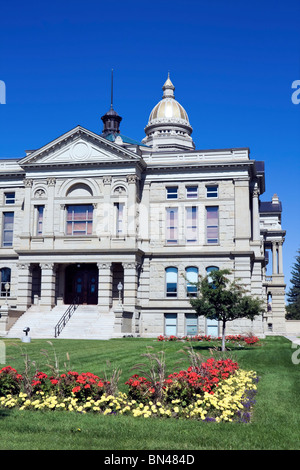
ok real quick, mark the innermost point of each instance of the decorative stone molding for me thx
(131, 265)
(40, 194)
(51, 181)
(104, 265)
(24, 266)
(120, 190)
(107, 179)
(28, 182)
(132, 179)
(47, 266)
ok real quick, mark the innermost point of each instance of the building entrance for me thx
(81, 284)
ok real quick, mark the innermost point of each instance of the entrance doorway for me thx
(81, 284)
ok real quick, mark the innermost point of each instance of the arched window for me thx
(191, 274)
(171, 282)
(5, 281)
(209, 269)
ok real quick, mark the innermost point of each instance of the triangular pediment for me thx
(79, 146)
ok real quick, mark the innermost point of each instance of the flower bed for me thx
(250, 339)
(216, 390)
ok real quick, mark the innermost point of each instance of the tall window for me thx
(172, 225)
(79, 219)
(119, 211)
(8, 229)
(191, 274)
(5, 282)
(212, 224)
(191, 224)
(39, 219)
(171, 282)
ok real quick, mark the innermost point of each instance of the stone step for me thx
(85, 323)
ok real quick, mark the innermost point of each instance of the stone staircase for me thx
(85, 323)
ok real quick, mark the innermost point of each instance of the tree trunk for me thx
(223, 335)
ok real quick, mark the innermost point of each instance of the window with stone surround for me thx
(192, 192)
(212, 191)
(9, 198)
(119, 217)
(39, 219)
(171, 225)
(191, 229)
(171, 281)
(191, 275)
(170, 324)
(79, 219)
(5, 274)
(7, 229)
(212, 225)
(172, 192)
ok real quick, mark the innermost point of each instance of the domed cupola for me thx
(168, 127)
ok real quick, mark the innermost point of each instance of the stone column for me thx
(255, 215)
(104, 286)
(242, 214)
(280, 262)
(274, 258)
(132, 227)
(48, 282)
(24, 286)
(49, 219)
(130, 285)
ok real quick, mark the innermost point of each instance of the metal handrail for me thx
(65, 318)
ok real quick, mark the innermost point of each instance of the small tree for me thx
(293, 296)
(224, 300)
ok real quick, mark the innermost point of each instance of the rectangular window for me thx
(191, 224)
(172, 192)
(212, 224)
(191, 324)
(80, 219)
(170, 324)
(119, 211)
(9, 198)
(39, 219)
(8, 229)
(172, 225)
(212, 191)
(192, 192)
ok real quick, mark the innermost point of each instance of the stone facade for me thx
(87, 213)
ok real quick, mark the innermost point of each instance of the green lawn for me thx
(275, 423)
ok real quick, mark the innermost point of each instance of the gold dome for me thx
(168, 108)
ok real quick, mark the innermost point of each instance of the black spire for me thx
(111, 119)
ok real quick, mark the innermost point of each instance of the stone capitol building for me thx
(116, 232)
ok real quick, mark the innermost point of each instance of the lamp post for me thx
(120, 288)
(6, 287)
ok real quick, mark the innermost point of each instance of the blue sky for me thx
(232, 63)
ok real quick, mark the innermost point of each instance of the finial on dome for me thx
(168, 88)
